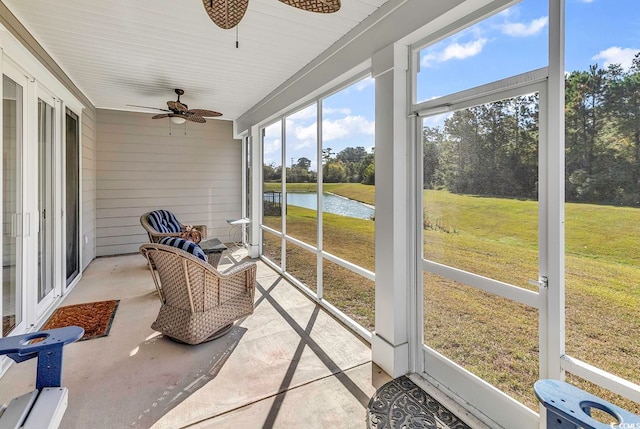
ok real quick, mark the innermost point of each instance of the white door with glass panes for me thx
(13, 216)
(47, 287)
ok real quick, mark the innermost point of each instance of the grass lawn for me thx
(495, 338)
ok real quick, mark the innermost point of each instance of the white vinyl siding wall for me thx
(140, 167)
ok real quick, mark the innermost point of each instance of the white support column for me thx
(555, 162)
(255, 187)
(390, 347)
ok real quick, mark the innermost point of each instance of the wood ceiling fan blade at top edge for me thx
(204, 113)
(226, 14)
(318, 6)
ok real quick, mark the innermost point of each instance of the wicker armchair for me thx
(166, 225)
(199, 303)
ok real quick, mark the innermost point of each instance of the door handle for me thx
(542, 283)
(27, 230)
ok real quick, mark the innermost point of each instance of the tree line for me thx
(350, 165)
(492, 149)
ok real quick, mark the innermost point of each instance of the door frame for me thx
(46, 303)
(66, 283)
(25, 182)
(491, 404)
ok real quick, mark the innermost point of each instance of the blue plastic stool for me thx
(570, 408)
(48, 351)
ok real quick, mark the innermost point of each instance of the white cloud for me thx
(617, 55)
(345, 127)
(333, 129)
(436, 120)
(304, 144)
(507, 12)
(456, 51)
(331, 110)
(520, 29)
(586, 1)
(306, 133)
(272, 146)
(306, 113)
(365, 83)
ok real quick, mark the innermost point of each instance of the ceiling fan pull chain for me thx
(237, 44)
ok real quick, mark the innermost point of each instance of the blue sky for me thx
(348, 121)
(512, 42)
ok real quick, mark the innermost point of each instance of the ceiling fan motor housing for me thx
(181, 112)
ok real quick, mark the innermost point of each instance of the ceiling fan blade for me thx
(225, 13)
(162, 115)
(194, 118)
(147, 107)
(205, 113)
(318, 6)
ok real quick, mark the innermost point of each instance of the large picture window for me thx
(529, 267)
(328, 180)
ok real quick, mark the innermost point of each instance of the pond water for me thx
(332, 203)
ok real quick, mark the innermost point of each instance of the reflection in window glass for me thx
(602, 181)
(272, 176)
(511, 42)
(480, 190)
(302, 174)
(351, 293)
(348, 173)
(492, 337)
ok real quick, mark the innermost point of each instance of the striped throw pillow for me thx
(186, 245)
(164, 221)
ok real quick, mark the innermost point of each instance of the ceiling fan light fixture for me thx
(179, 113)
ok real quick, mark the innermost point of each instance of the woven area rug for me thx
(401, 404)
(94, 317)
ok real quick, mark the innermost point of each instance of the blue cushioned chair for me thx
(199, 303)
(163, 223)
(186, 245)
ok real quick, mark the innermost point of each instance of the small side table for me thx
(213, 248)
(238, 231)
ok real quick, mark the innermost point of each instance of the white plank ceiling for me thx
(121, 52)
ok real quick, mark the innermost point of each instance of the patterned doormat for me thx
(401, 404)
(94, 317)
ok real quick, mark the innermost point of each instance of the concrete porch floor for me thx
(289, 365)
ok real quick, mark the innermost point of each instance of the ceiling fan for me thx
(228, 13)
(180, 112)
